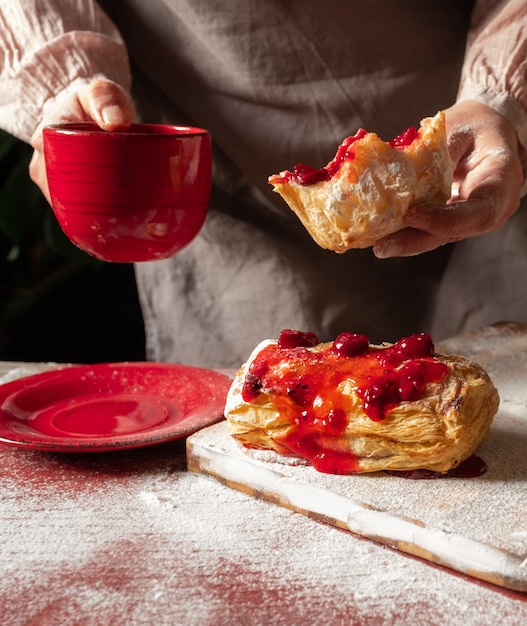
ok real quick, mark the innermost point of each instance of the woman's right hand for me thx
(101, 101)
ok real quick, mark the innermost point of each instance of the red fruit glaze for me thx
(350, 344)
(472, 467)
(296, 338)
(306, 175)
(404, 139)
(305, 387)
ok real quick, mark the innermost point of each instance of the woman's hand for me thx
(487, 177)
(101, 101)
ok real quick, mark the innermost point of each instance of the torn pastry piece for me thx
(349, 406)
(364, 193)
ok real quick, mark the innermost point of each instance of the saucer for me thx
(109, 406)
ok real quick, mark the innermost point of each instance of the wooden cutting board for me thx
(477, 526)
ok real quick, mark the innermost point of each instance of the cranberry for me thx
(381, 396)
(252, 386)
(296, 339)
(350, 344)
(415, 346)
(259, 368)
(303, 174)
(412, 380)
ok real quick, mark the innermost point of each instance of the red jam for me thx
(306, 175)
(404, 139)
(296, 339)
(304, 386)
(472, 467)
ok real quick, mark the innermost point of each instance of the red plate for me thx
(109, 406)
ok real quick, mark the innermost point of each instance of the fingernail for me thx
(112, 115)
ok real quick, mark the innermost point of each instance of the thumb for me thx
(107, 104)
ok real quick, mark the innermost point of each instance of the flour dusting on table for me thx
(133, 538)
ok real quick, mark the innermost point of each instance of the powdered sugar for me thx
(132, 538)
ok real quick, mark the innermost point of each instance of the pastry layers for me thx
(364, 193)
(390, 407)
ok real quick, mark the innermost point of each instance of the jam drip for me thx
(472, 467)
(307, 175)
(304, 384)
(303, 174)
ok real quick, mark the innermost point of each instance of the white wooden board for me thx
(477, 526)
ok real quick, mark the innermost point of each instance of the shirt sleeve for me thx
(495, 67)
(49, 49)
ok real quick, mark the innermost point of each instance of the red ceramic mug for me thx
(138, 194)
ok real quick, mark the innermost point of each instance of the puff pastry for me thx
(348, 406)
(364, 193)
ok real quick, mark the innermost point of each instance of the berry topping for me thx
(404, 139)
(307, 175)
(380, 396)
(306, 386)
(415, 346)
(296, 339)
(405, 384)
(350, 344)
(251, 387)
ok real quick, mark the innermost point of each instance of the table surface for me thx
(131, 537)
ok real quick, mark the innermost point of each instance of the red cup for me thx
(137, 194)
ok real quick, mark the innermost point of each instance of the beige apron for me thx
(282, 82)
